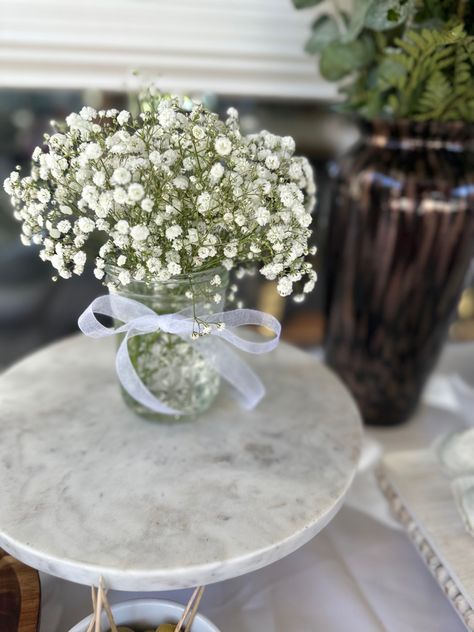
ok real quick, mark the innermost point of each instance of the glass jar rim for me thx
(197, 276)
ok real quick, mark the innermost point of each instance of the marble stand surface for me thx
(87, 489)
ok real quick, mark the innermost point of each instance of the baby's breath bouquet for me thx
(172, 192)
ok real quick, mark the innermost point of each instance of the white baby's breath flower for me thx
(309, 286)
(121, 260)
(43, 195)
(124, 277)
(123, 117)
(102, 224)
(87, 113)
(139, 232)
(139, 273)
(93, 151)
(181, 182)
(295, 170)
(155, 157)
(121, 176)
(230, 250)
(216, 172)
(173, 231)
(203, 202)
(272, 162)
(135, 192)
(204, 252)
(120, 195)
(85, 224)
(64, 226)
(288, 143)
(193, 236)
(169, 157)
(122, 227)
(167, 117)
(223, 146)
(284, 286)
(79, 258)
(174, 268)
(147, 205)
(99, 178)
(262, 216)
(198, 132)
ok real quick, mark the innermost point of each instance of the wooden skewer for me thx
(100, 600)
(194, 610)
(197, 594)
(99, 610)
(90, 627)
(107, 608)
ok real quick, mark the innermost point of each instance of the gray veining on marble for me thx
(88, 489)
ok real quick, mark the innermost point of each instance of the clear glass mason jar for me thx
(173, 368)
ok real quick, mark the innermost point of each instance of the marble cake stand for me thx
(87, 489)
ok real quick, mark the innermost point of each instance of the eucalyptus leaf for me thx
(325, 30)
(304, 4)
(387, 14)
(357, 20)
(339, 59)
(388, 72)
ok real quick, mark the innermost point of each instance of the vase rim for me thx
(199, 276)
(407, 134)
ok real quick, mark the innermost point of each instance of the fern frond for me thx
(437, 91)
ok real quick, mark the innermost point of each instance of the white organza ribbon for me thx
(139, 319)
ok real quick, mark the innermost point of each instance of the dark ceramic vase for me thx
(400, 240)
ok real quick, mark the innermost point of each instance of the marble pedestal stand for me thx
(87, 489)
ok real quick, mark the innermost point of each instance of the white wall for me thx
(244, 47)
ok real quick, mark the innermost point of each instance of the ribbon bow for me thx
(139, 319)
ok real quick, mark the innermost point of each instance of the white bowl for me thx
(147, 613)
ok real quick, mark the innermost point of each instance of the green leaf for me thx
(339, 59)
(304, 4)
(393, 15)
(387, 14)
(325, 30)
(389, 73)
(357, 20)
(435, 95)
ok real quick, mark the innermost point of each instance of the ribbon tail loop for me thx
(248, 389)
(133, 385)
(244, 317)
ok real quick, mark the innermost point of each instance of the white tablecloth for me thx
(361, 574)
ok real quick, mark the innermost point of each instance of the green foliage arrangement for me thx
(409, 59)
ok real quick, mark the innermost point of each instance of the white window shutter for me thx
(230, 47)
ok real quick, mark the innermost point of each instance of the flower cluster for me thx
(171, 190)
